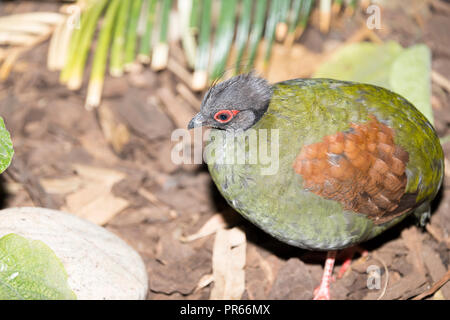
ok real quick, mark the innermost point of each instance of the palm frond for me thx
(213, 33)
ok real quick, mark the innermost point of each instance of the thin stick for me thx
(440, 80)
(25, 27)
(42, 17)
(435, 287)
(386, 271)
(188, 96)
(445, 139)
(180, 71)
(15, 39)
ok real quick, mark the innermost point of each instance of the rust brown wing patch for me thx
(361, 168)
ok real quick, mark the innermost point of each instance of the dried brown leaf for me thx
(94, 200)
(229, 254)
(413, 240)
(211, 226)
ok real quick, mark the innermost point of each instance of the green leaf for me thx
(6, 148)
(362, 62)
(404, 71)
(30, 270)
(411, 77)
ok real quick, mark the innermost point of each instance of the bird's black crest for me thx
(245, 88)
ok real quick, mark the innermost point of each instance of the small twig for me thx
(435, 287)
(435, 233)
(188, 96)
(447, 167)
(18, 172)
(179, 114)
(150, 197)
(387, 275)
(180, 71)
(445, 139)
(440, 5)
(440, 80)
(156, 202)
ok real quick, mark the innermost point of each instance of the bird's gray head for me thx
(237, 103)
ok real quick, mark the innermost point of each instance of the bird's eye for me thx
(224, 116)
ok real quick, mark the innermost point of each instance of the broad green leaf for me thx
(411, 78)
(362, 62)
(404, 71)
(30, 270)
(6, 148)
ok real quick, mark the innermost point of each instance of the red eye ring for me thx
(224, 116)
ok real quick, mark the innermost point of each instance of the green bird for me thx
(319, 164)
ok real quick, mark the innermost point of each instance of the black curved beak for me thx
(196, 121)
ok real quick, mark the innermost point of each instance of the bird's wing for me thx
(361, 168)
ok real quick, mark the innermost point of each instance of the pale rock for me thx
(99, 264)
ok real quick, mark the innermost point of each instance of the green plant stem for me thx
(130, 43)
(117, 50)
(281, 25)
(163, 35)
(97, 77)
(306, 10)
(146, 40)
(74, 69)
(224, 37)
(303, 17)
(200, 77)
(274, 16)
(256, 32)
(73, 44)
(293, 22)
(194, 16)
(161, 53)
(185, 10)
(295, 15)
(242, 35)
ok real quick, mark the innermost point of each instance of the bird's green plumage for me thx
(304, 111)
